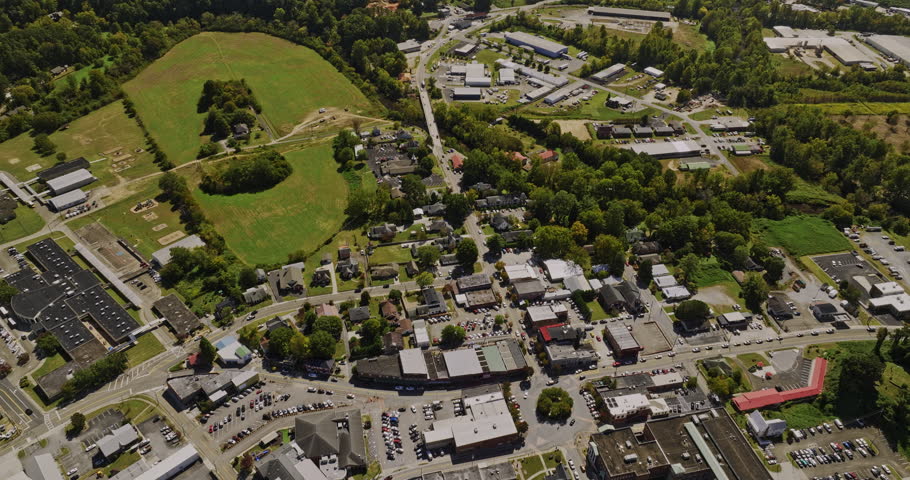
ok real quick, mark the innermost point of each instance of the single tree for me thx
(364, 298)
(424, 279)
(645, 272)
(77, 423)
(754, 291)
(322, 345)
(466, 253)
(453, 335)
(207, 351)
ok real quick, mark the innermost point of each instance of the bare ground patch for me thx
(575, 127)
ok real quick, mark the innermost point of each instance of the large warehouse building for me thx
(539, 44)
(629, 13)
(608, 73)
(892, 45)
(466, 93)
(677, 149)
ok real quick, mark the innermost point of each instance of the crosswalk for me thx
(47, 421)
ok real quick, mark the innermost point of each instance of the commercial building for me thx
(558, 269)
(568, 358)
(409, 46)
(476, 76)
(734, 320)
(70, 181)
(187, 389)
(182, 321)
(163, 256)
(545, 315)
(770, 396)
(68, 200)
(487, 424)
(421, 335)
(540, 45)
(117, 441)
(702, 446)
(535, 77)
(466, 93)
(634, 407)
(762, 428)
(537, 93)
(478, 281)
(621, 340)
(507, 76)
(885, 288)
(622, 296)
(335, 436)
(556, 97)
(577, 282)
(495, 361)
(653, 72)
(629, 13)
(609, 72)
(465, 50)
(529, 289)
(730, 124)
(895, 46)
(663, 150)
(521, 273)
(289, 462)
(41, 467)
(676, 293)
(897, 306)
(839, 47)
(232, 353)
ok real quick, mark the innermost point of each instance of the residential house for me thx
(432, 303)
(322, 276)
(500, 223)
(349, 268)
(290, 279)
(548, 156)
(241, 130)
(646, 248)
(385, 232)
(359, 314)
(344, 253)
(411, 268)
(384, 272)
(494, 202)
(622, 296)
(437, 209)
(392, 342)
(439, 226)
(327, 310)
(389, 311)
(778, 308)
(254, 295)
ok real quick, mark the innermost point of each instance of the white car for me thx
(72, 472)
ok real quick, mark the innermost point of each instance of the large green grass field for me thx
(291, 82)
(802, 235)
(27, 222)
(139, 229)
(103, 130)
(298, 213)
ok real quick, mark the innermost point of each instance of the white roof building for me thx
(577, 282)
(519, 273)
(665, 281)
(659, 270)
(558, 269)
(506, 76)
(413, 363)
(68, 199)
(608, 72)
(676, 293)
(462, 362)
(70, 181)
(654, 72)
(163, 257)
(421, 336)
(888, 288)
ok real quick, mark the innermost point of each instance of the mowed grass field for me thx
(27, 222)
(291, 82)
(103, 130)
(143, 229)
(802, 235)
(298, 213)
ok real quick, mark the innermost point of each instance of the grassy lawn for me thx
(861, 108)
(30, 391)
(299, 213)
(802, 235)
(707, 114)
(27, 222)
(373, 469)
(135, 409)
(553, 458)
(50, 364)
(894, 379)
(790, 67)
(531, 465)
(103, 130)
(752, 359)
(81, 74)
(61, 238)
(290, 86)
(689, 37)
(136, 228)
(124, 460)
(710, 273)
(597, 311)
(390, 254)
(489, 57)
(145, 348)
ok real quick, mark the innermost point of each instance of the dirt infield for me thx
(159, 227)
(151, 216)
(171, 237)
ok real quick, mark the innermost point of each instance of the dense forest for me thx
(228, 103)
(248, 174)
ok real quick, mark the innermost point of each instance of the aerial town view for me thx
(474, 240)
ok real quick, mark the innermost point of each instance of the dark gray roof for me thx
(178, 316)
(332, 432)
(359, 314)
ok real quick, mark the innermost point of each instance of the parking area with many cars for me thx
(837, 451)
(887, 253)
(395, 438)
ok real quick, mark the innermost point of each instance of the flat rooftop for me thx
(178, 316)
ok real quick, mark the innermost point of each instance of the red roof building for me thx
(545, 332)
(457, 162)
(548, 156)
(770, 396)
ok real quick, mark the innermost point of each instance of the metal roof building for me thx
(629, 13)
(676, 149)
(892, 45)
(543, 79)
(622, 340)
(463, 362)
(656, 73)
(609, 72)
(70, 181)
(506, 76)
(163, 257)
(409, 46)
(540, 45)
(466, 93)
(68, 199)
(413, 363)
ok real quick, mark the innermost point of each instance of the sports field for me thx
(105, 133)
(291, 82)
(801, 235)
(142, 229)
(298, 213)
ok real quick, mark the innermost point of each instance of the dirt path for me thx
(331, 117)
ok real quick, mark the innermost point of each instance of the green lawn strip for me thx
(799, 415)
(530, 466)
(50, 364)
(27, 222)
(146, 347)
(802, 235)
(752, 359)
(290, 87)
(82, 73)
(39, 400)
(553, 458)
(297, 214)
(390, 254)
(373, 470)
(124, 460)
(597, 311)
(58, 236)
(102, 130)
(710, 273)
(707, 114)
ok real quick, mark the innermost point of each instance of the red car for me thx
(598, 338)
(616, 364)
(211, 428)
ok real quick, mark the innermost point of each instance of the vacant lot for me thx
(105, 133)
(143, 229)
(298, 213)
(291, 82)
(802, 235)
(578, 128)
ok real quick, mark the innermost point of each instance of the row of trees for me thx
(96, 375)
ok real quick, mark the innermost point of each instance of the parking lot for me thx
(820, 444)
(899, 260)
(414, 415)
